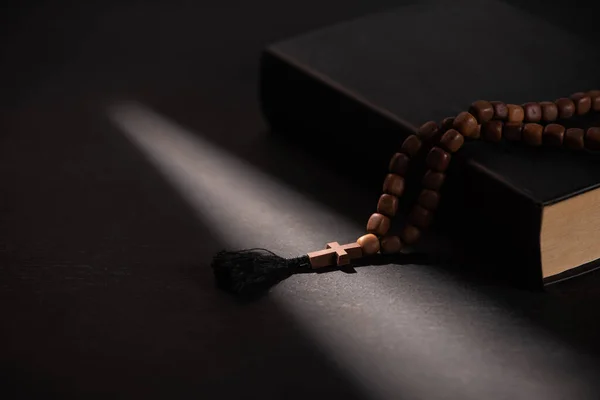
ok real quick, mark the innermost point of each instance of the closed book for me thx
(355, 90)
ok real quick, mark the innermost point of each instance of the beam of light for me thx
(371, 326)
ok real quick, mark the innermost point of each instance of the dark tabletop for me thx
(132, 149)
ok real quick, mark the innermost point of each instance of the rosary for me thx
(250, 271)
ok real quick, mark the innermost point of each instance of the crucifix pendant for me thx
(335, 255)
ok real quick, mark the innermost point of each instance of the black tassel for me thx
(250, 272)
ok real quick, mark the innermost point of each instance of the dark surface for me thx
(104, 282)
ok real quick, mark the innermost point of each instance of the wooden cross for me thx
(335, 254)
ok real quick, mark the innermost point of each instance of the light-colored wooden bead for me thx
(393, 184)
(466, 124)
(515, 113)
(452, 140)
(391, 245)
(411, 145)
(369, 244)
(410, 234)
(378, 224)
(387, 205)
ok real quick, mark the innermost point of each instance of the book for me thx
(358, 88)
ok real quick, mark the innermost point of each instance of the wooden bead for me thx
(553, 135)
(369, 244)
(566, 107)
(574, 138)
(533, 112)
(595, 97)
(391, 245)
(410, 234)
(583, 103)
(477, 133)
(482, 110)
(428, 131)
(592, 139)
(420, 217)
(452, 140)
(438, 159)
(515, 113)
(433, 180)
(466, 124)
(429, 199)
(378, 224)
(532, 134)
(387, 205)
(447, 123)
(393, 184)
(512, 131)
(492, 131)
(399, 164)
(549, 111)
(500, 110)
(411, 145)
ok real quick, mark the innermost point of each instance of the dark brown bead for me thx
(583, 103)
(411, 145)
(438, 159)
(482, 110)
(391, 244)
(447, 123)
(592, 139)
(553, 135)
(378, 224)
(515, 113)
(399, 164)
(500, 110)
(420, 217)
(492, 131)
(393, 184)
(387, 205)
(410, 234)
(549, 111)
(566, 108)
(429, 199)
(512, 131)
(595, 96)
(477, 133)
(428, 131)
(452, 140)
(466, 124)
(574, 138)
(532, 134)
(433, 180)
(533, 112)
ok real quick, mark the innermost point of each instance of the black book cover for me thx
(361, 86)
